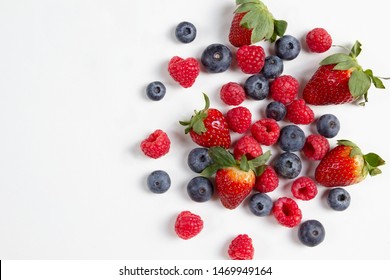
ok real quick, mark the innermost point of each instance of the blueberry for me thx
(311, 233)
(159, 181)
(185, 32)
(156, 90)
(256, 87)
(273, 67)
(198, 159)
(287, 47)
(200, 189)
(276, 110)
(291, 138)
(328, 125)
(338, 199)
(216, 58)
(288, 165)
(260, 204)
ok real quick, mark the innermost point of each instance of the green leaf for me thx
(210, 170)
(359, 83)
(377, 82)
(356, 49)
(375, 171)
(239, 2)
(261, 160)
(222, 157)
(198, 125)
(264, 30)
(355, 152)
(346, 143)
(260, 170)
(280, 27)
(245, 8)
(346, 65)
(374, 160)
(244, 165)
(336, 58)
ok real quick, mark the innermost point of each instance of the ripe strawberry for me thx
(234, 179)
(208, 127)
(340, 79)
(252, 22)
(184, 71)
(345, 165)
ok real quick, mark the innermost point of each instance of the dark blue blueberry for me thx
(256, 87)
(328, 125)
(200, 189)
(291, 138)
(311, 233)
(216, 58)
(260, 204)
(159, 181)
(288, 165)
(338, 199)
(287, 47)
(198, 159)
(185, 32)
(156, 90)
(276, 110)
(273, 67)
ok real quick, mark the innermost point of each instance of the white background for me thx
(73, 111)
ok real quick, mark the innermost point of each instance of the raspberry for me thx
(304, 188)
(241, 248)
(247, 146)
(266, 131)
(232, 94)
(156, 145)
(284, 89)
(287, 212)
(316, 147)
(184, 71)
(250, 59)
(318, 40)
(299, 113)
(267, 181)
(188, 225)
(239, 119)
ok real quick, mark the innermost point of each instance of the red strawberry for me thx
(184, 71)
(234, 180)
(253, 22)
(340, 79)
(208, 127)
(345, 165)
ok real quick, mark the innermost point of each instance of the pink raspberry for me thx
(239, 119)
(304, 188)
(156, 145)
(316, 147)
(241, 248)
(250, 59)
(267, 181)
(188, 225)
(284, 89)
(318, 40)
(232, 94)
(266, 131)
(247, 146)
(299, 113)
(287, 212)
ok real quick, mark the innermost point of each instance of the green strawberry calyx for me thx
(222, 158)
(259, 19)
(360, 80)
(197, 120)
(371, 160)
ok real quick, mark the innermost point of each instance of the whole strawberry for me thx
(234, 179)
(346, 165)
(184, 71)
(208, 127)
(340, 79)
(252, 22)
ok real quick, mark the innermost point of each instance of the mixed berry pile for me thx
(242, 170)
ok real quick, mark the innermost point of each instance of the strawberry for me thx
(252, 22)
(208, 127)
(345, 165)
(234, 179)
(340, 79)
